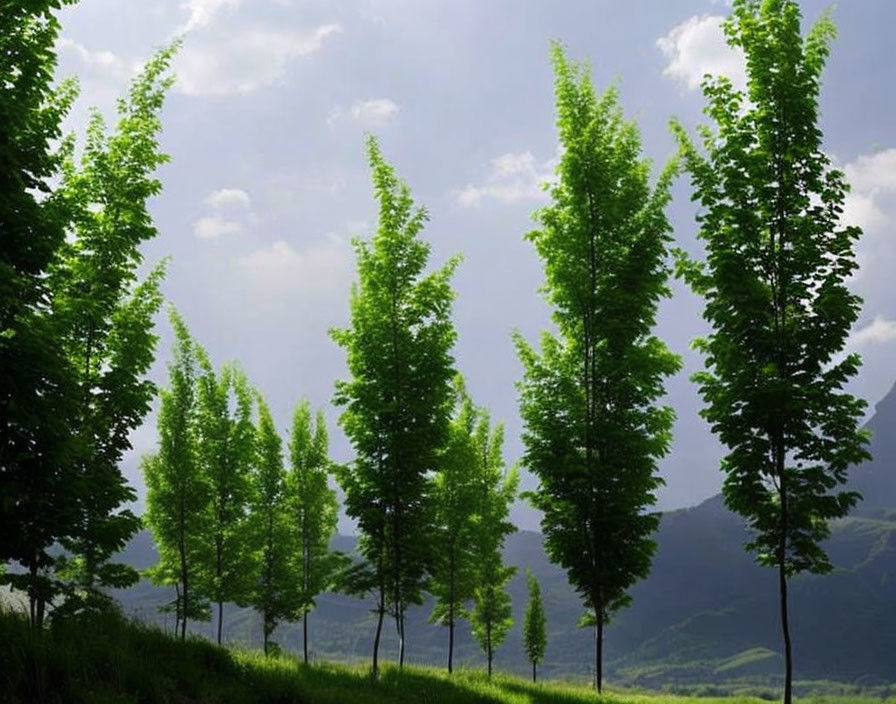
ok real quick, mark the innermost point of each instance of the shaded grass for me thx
(104, 659)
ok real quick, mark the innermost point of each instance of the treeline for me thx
(428, 487)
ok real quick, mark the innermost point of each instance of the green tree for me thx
(497, 489)
(37, 503)
(105, 316)
(454, 496)
(535, 635)
(593, 432)
(313, 512)
(775, 288)
(271, 530)
(226, 452)
(177, 496)
(398, 401)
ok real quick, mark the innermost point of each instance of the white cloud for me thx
(697, 47)
(872, 178)
(323, 266)
(105, 62)
(202, 12)
(246, 60)
(513, 177)
(878, 331)
(211, 227)
(369, 113)
(228, 197)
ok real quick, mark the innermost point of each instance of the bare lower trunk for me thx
(451, 639)
(533, 672)
(785, 627)
(399, 626)
(305, 636)
(381, 612)
(221, 620)
(599, 652)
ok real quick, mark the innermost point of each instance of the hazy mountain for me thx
(707, 613)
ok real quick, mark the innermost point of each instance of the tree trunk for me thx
(401, 638)
(379, 629)
(533, 672)
(305, 636)
(221, 620)
(598, 652)
(451, 639)
(488, 648)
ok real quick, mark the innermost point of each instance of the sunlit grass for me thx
(108, 659)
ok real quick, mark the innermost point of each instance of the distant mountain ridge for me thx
(707, 613)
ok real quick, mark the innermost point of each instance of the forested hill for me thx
(707, 612)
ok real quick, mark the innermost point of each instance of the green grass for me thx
(109, 659)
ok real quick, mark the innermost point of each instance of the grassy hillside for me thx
(108, 659)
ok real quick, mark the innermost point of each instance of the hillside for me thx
(707, 613)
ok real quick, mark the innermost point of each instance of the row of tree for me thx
(230, 522)
(428, 488)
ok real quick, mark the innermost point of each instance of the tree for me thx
(226, 452)
(271, 593)
(37, 504)
(454, 498)
(177, 495)
(313, 512)
(775, 289)
(496, 488)
(398, 401)
(593, 431)
(105, 317)
(535, 636)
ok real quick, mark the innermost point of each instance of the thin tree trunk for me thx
(305, 635)
(533, 672)
(488, 643)
(220, 619)
(785, 627)
(379, 629)
(599, 653)
(450, 638)
(400, 624)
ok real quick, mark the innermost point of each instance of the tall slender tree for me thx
(496, 487)
(37, 498)
(593, 429)
(535, 635)
(398, 401)
(105, 315)
(177, 496)
(455, 495)
(226, 453)
(270, 594)
(775, 284)
(313, 512)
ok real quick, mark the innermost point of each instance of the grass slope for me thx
(106, 658)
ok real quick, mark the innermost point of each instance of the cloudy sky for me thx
(268, 183)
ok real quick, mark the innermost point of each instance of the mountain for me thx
(707, 613)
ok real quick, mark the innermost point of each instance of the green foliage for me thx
(775, 285)
(226, 451)
(313, 512)
(177, 494)
(270, 594)
(38, 501)
(105, 318)
(455, 497)
(496, 489)
(593, 429)
(535, 635)
(398, 401)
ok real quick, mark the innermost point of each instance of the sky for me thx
(268, 182)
